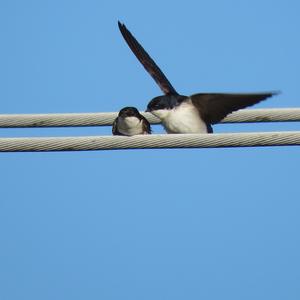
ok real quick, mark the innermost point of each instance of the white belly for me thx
(130, 126)
(184, 119)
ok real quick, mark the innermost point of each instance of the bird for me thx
(188, 114)
(130, 122)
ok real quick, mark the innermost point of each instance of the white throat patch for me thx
(183, 118)
(130, 126)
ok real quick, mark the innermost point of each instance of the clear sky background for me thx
(148, 224)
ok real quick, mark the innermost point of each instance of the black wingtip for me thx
(147, 62)
(123, 29)
(266, 94)
(121, 25)
(271, 94)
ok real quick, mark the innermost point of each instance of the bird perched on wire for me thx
(130, 122)
(188, 114)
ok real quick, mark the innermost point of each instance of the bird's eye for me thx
(157, 104)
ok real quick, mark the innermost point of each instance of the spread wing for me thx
(147, 62)
(215, 107)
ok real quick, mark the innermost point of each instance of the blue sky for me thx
(148, 224)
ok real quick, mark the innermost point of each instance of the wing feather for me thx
(146, 125)
(215, 107)
(147, 62)
(115, 130)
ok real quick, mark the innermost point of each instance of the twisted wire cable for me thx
(106, 119)
(218, 140)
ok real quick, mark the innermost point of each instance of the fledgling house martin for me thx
(130, 122)
(187, 114)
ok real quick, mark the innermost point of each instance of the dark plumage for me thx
(211, 107)
(147, 62)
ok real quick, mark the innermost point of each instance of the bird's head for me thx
(161, 106)
(128, 112)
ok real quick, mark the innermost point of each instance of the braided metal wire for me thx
(150, 141)
(106, 119)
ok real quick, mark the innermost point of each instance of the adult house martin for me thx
(130, 122)
(187, 114)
